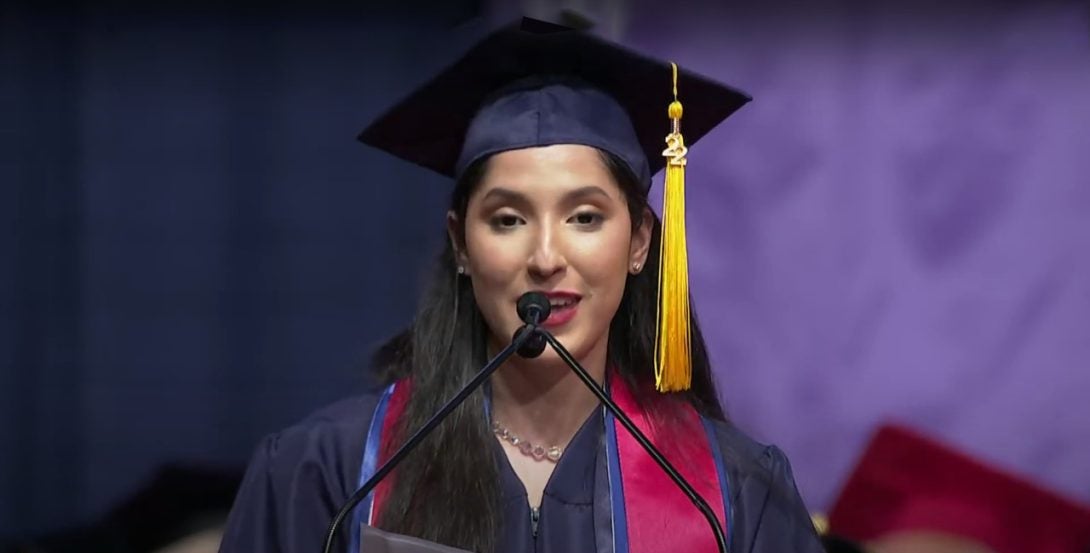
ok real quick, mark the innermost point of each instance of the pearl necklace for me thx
(538, 452)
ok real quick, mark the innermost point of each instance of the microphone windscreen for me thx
(532, 302)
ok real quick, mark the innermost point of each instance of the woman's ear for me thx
(641, 242)
(456, 234)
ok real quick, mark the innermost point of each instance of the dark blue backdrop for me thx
(196, 250)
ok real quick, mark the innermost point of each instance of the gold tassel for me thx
(673, 364)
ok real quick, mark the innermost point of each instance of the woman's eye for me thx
(506, 221)
(586, 218)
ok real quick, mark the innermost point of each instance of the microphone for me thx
(656, 455)
(533, 308)
(535, 311)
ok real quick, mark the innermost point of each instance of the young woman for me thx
(552, 145)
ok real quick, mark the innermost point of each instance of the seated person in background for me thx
(911, 494)
(181, 508)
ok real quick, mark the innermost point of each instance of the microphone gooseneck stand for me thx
(660, 460)
(529, 341)
(522, 336)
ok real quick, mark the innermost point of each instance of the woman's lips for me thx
(560, 315)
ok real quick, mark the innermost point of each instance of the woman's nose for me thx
(546, 259)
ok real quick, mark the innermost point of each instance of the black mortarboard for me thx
(534, 83)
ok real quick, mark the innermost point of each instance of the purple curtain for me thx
(897, 228)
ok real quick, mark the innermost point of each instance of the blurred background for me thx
(198, 253)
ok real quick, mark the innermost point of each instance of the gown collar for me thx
(572, 480)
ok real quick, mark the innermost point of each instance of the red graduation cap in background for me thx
(906, 482)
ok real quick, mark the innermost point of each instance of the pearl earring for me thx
(461, 270)
(636, 267)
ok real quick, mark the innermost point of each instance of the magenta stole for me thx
(650, 514)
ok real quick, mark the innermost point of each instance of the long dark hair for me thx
(447, 491)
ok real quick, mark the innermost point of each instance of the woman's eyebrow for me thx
(504, 194)
(512, 196)
(584, 192)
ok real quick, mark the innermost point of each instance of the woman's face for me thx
(550, 219)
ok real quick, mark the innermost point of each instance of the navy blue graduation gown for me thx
(300, 477)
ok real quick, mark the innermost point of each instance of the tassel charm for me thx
(673, 363)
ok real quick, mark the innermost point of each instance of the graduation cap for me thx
(906, 482)
(535, 83)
